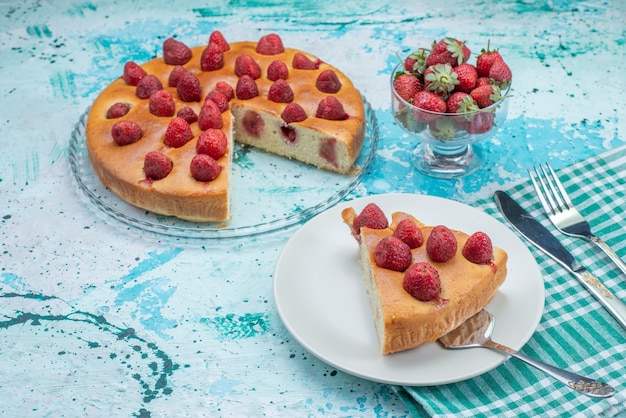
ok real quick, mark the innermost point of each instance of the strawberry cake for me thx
(161, 136)
(422, 281)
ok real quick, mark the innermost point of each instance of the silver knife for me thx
(537, 234)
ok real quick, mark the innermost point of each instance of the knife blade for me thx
(543, 239)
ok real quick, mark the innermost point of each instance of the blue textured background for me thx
(101, 319)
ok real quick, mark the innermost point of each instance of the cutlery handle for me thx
(608, 299)
(590, 387)
(609, 251)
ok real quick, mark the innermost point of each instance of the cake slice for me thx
(402, 320)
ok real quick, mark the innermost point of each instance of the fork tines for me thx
(551, 192)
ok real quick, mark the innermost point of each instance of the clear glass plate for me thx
(268, 192)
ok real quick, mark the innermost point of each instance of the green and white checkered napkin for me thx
(575, 331)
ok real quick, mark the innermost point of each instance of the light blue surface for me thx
(101, 319)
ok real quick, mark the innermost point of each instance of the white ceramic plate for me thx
(321, 299)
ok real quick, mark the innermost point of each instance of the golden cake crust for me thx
(120, 168)
(403, 322)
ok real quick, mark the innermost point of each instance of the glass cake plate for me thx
(268, 192)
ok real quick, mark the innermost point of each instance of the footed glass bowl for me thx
(444, 140)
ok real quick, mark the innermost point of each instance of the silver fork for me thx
(562, 213)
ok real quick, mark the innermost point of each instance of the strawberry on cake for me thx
(422, 281)
(161, 136)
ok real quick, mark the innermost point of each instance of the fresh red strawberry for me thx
(293, 113)
(157, 165)
(501, 73)
(485, 60)
(204, 168)
(478, 248)
(443, 58)
(371, 216)
(212, 58)
(212, 142)
(328, 82)
(189, 88)
(302, 62)
(481, 122)
(246, 65)
(126, 132)
(331, 109)
(178, 133)
(460, 102)
(421, 281)
(441, 244)
(175, 52)
(415, 63)
(161, 103)
(133, 73)
(448, 51)
(429, 101)
(454, 102)
(210, 116)
(148, 85)
(220, 100)
(409, 63)
(440, 79)
(483, 95)
(467, 76)
(270, 44)
(393, 254)
(225, 88)
(118, 110)
(217, 38)
(277, 70)
(246, 88)
(188, 114)
(175, 75)
(407, 86)
(409, 232)
(280, 92)
(482, 81)
(447, 74)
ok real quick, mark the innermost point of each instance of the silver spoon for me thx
(476, 332)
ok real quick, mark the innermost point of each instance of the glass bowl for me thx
(445, 140)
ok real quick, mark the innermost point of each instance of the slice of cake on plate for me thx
(422, 281)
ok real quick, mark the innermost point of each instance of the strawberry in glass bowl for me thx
(447, 104)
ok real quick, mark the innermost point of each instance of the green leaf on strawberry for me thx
(444, 128)
(440, 79)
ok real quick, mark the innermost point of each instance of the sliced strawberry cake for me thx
(422, 281)
(161, 136)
